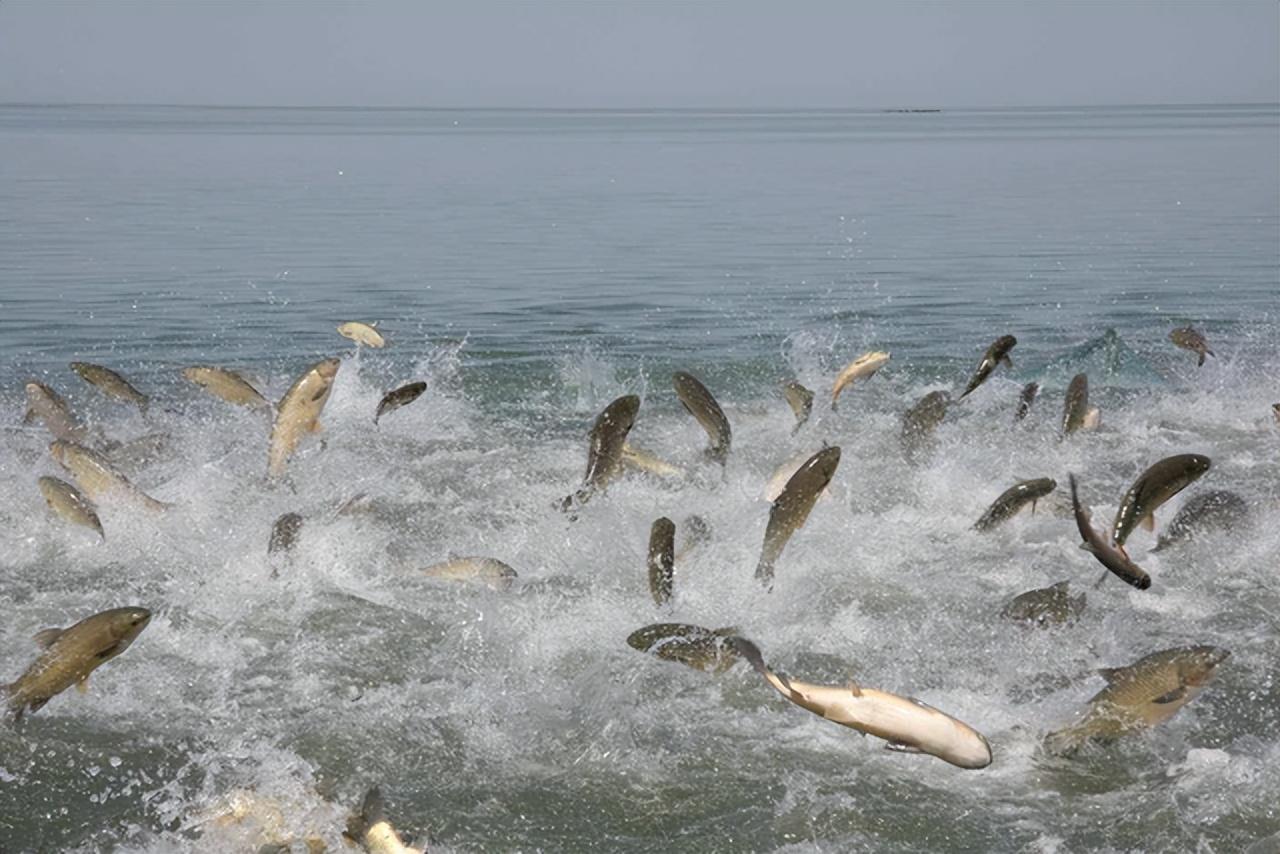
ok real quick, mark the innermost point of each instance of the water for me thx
(531, 266)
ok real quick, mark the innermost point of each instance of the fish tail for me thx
(1065, 742)
(751, 653)
(371, 812)
(1201, 361)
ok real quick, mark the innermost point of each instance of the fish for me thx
(1025, 399)
(998, 352)
(371, 831)
(1045, 605)
(1154, 487)
(1208, 511)
(67, 501)
(604, 454)
(641, 460)
(284, 533)
(1013, 500)
(1109, 555)
(907, 724)
(111, 384)
(662, 547)
(299, 413)
(782, 474)
(227, 385)
(1275, 410)
(97, 478)
(1075, 407)
(70, 655)
(708, 650)
(1189, 339)
(399, 397)
(1140, 696)
(362, 333)
(45, 404)
(701, 404)
(863, 367)
(482, 570)
(696, 533)
(919, 422)
(800, 399)
(792, 507)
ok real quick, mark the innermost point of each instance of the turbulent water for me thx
(531, 267)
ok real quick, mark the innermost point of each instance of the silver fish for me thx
(65, 500)
(800, 399)
(45, 404)
(96, 477)
(1025, 399)
(299, 413)
(227, 385)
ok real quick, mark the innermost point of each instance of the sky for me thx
(611, 53)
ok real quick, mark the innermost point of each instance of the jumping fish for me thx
(702, 405)
(299, 413)
(371, 831)
(1025, 399)
(1013, 500)
(397, 398)
(1189, 339)
(604, 456)
(862, 367)
(800, 399)
(696, 532)
(782, 474)
(1045, 605)
(227, 385)
(362, 333)
(284, 533)
(65, 500)
(641, 460)
(111, 384)
(1108, 554)
(1154, 487)
(70, 655)
(482, 570)
(47, 405)
(998, 352)
(919, 422)
(662, 547)
(1208, 511)
(1143, 695)
(708, 650)
(1275, 410)
(96, 477)
(792, 507)
(908, 725)
(1076, 414)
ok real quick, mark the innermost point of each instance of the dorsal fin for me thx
(45, 637)
(1149, 521)
(854, 688)
(1111, 674)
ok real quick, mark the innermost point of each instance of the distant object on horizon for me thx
(907, 110)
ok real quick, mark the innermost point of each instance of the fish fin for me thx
(1111, 674)
(315, 426)
(1092, 419)
(1033, 506)
(45, 637)
(1200, 362)
(1006, 361)
(854, 688)
(30, 416)
(901, 747)
(1148, 522)
(36, 704)
(1065, 742)
(83, 685)
(751, 653)
(1088, 547)
(1172, 697)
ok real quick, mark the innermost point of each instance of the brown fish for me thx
(919, 422)
(662, 546)
(67, 501)
(800, 399)
(708, 650)
(70, 655)
(482, 570)
(46, 405)
(1154, 487)
(998, 352)
(863, 367)
(1075, 407)
(792, 507)
(284, 533)
(111, 384)
(605, 453)
(1025, 399)
(1045, 606)
(1143, 695)
(1013, 499)
(1108, 554)
(701, 404)
(299, 413)
(397, 398)
(97, 478)
(1208, 511)
(1189, 339)
(227, 385)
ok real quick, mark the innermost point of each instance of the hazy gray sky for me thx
(557, 53)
